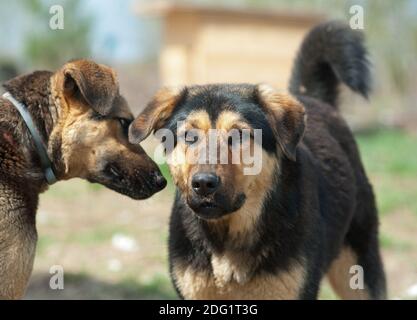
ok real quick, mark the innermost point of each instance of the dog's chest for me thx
(230, 268)
(232, 278)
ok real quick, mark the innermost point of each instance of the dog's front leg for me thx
(18, 239)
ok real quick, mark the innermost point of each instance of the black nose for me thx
(205, 183)
(159, 180)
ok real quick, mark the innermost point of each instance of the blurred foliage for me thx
(389, 159)
(389, 242)
(47, 48)
(8, 69)
(392, 30)
(390, 27)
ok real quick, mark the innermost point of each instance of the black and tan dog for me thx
(310, 212)
(83, 121)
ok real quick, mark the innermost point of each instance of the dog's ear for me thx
(156, 113)
(286, 117)
(94, 83)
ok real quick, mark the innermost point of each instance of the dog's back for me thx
(332, 54)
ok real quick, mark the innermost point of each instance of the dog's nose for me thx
(205, 183)
(159, 180)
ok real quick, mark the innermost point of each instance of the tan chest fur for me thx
(232, 281)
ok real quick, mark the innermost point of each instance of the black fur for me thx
(215, 98)
(320, 203)
(332, 53)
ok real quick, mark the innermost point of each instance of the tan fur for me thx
(288, 115)
(180, 169)
(240, 223)
(199, 120)
(339, 276)
(79, 145)
(228, 120)
(85, 140)
(17, 244)
(155, 113)
(201, 286)
(232, 276)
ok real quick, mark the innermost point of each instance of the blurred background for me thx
(113, 247)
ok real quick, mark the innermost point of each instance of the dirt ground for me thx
(113, 247)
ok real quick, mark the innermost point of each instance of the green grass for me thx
(64, 190)
(96, 236)
(159, 286)
(390, 159)
(389, 152)
(165, 172)
(84, 285)
(388, 242)
(326, 292)
(44, 242)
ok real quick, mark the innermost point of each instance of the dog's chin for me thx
(139, 191)
(134, 193)
(211, 210)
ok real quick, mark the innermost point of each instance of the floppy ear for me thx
(156, 113)
(286, 116)
(96, 84)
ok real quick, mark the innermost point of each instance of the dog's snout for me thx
(205, 184)
(159, 180)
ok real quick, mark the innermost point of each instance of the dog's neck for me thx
(233, 232)
(34, 91)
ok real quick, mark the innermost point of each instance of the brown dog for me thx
(83, 121)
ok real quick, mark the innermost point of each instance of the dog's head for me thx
(215, 189)
(90, 138)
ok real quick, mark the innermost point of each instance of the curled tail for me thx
(331, 53)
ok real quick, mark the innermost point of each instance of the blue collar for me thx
(39, 144)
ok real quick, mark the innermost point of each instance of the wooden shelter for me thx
(203, 44)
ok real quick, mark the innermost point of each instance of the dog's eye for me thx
(97, 116)
(235, 139)
(191, 137)
(240, 138)
(124, 124)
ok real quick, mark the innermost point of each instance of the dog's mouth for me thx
(140, 184)
(210, 209)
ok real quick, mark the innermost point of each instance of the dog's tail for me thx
(331, 53)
